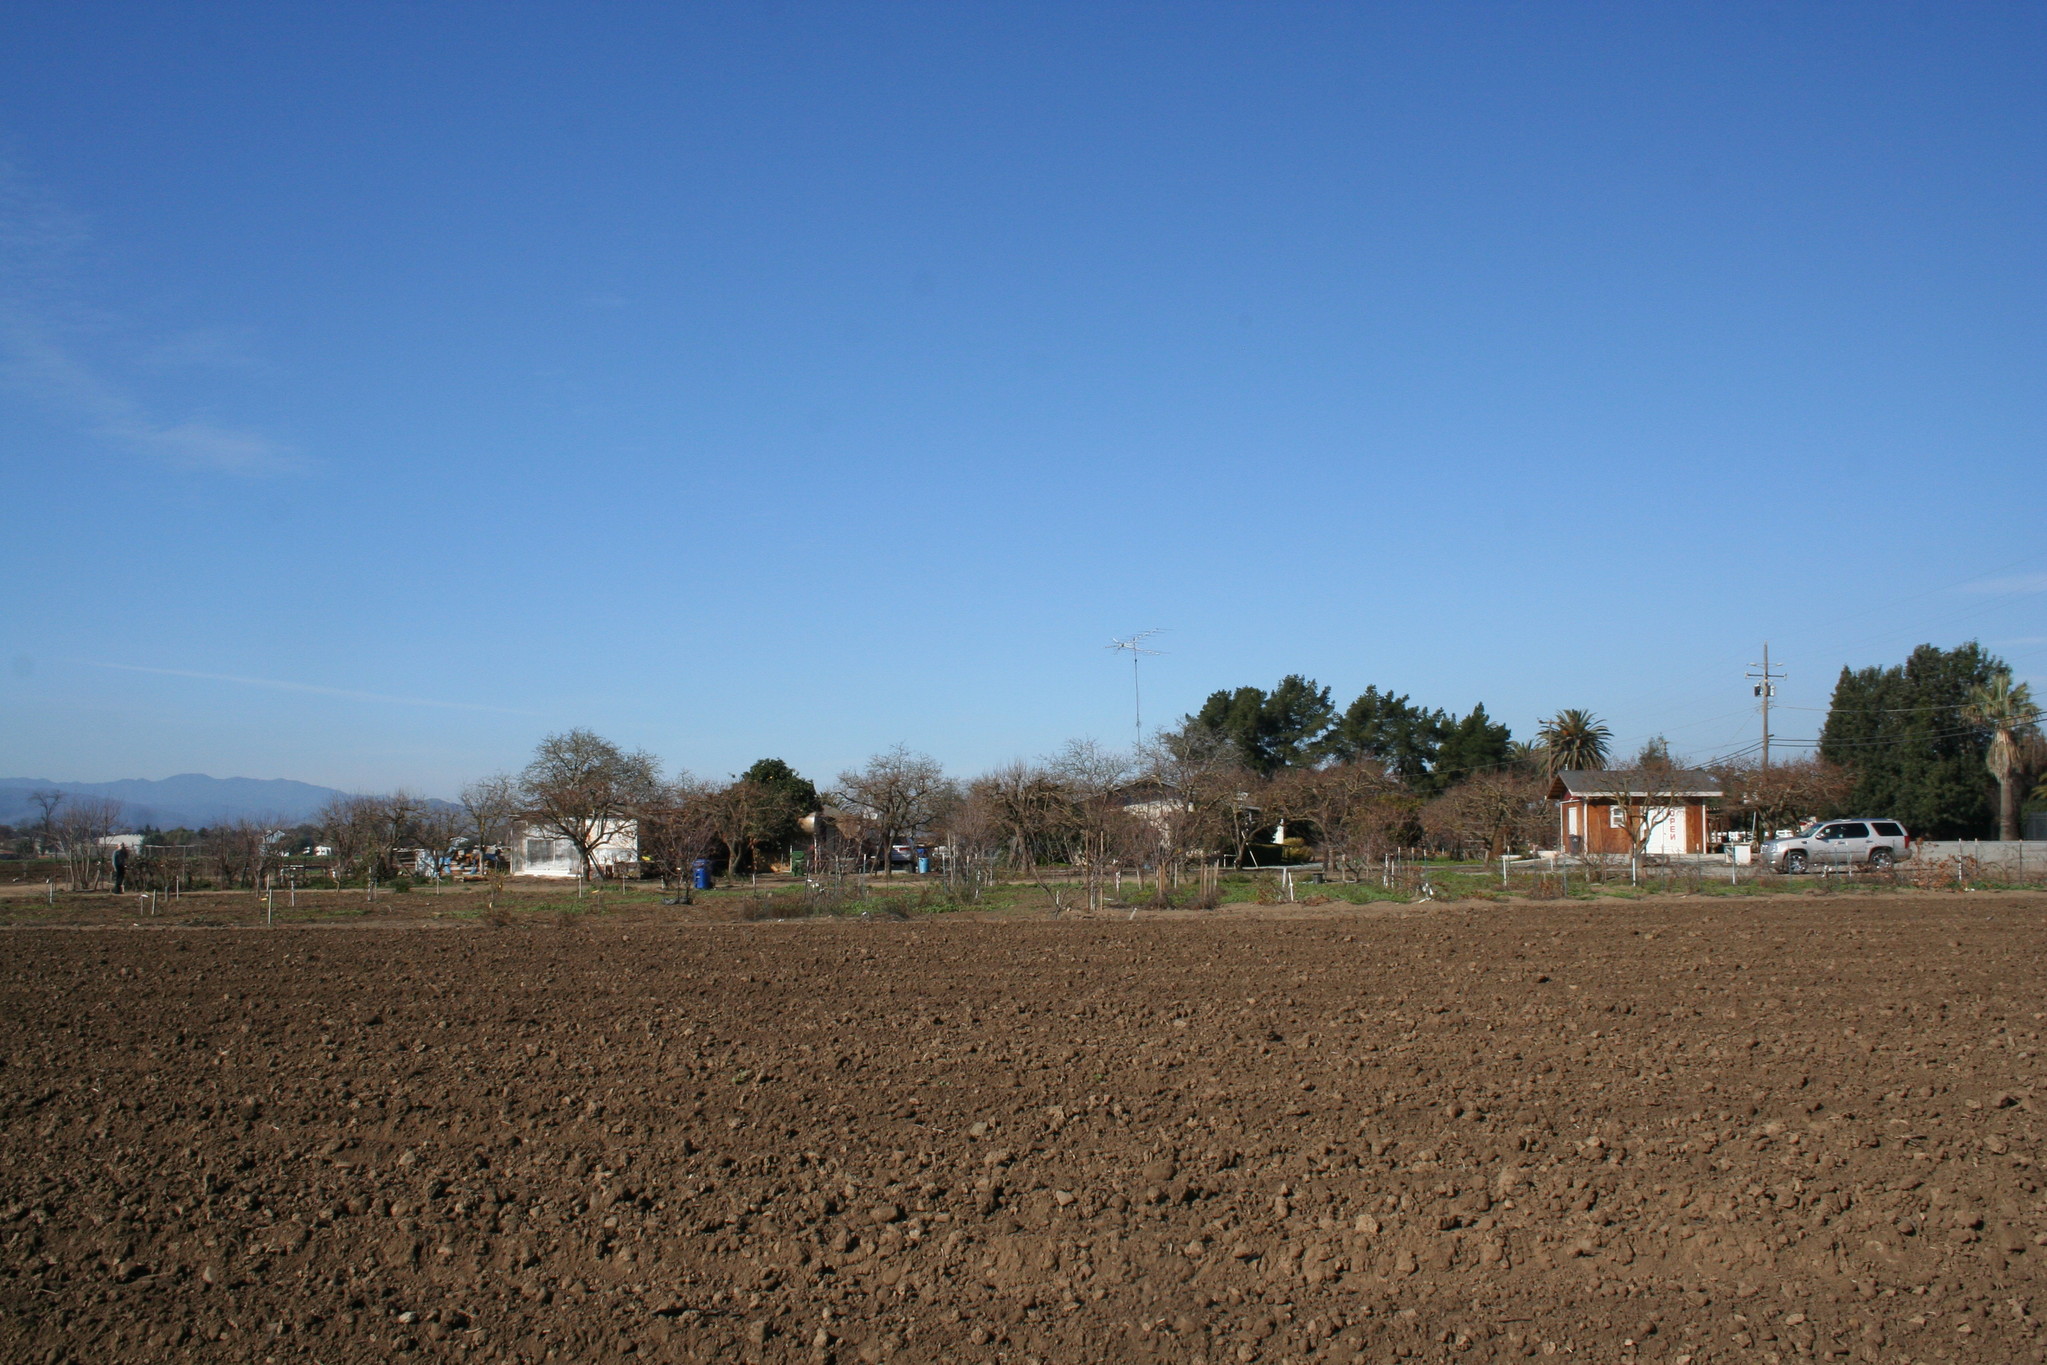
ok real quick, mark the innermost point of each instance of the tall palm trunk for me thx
(2006, 709)
(2008, 801)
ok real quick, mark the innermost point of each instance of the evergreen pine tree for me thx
(1915, 754)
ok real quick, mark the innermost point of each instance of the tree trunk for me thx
(2007, 806)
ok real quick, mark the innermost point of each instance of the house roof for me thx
(1636, 782)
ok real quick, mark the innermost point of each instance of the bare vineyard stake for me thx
(269, 906)
(50, 890)
(1503, 869)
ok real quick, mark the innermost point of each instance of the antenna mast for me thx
(1135, 645)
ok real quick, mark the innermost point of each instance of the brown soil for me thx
(1773, 1130)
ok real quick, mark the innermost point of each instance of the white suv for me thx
(1839, 843)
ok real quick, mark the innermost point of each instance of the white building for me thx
(540, 853)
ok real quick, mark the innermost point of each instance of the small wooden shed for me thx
(1603, 810)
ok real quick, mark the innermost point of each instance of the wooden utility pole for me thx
(1765, 689)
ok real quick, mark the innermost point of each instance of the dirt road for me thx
(1670, 1132)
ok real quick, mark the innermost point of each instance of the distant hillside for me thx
(189, 799)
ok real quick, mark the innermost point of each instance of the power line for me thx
(1913, 738)
(1876, 710)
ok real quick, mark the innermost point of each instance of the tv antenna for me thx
(1135, 645)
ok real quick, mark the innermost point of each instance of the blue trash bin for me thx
(923, 866)
(700, 874)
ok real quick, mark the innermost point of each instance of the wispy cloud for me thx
(2025, 582)
(208, 348)
(201, 445)
(38, 239)
(33, 364)
(282, 685)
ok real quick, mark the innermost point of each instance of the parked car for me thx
(1839, 843)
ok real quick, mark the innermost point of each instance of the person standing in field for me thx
(120, 867)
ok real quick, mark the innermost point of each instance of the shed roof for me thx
(1637, 782)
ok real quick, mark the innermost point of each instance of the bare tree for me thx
(1785, 794)
(242, 850)
(975, 839)
(489, 803)
(1030, 811)
(1490, 811)
(436, 828)
(367, 831)
(1354, 810)
(736, 811)
(80, 832)
(46, 801)
(403, 813)
(583, 788)
(1033, 816)
(1093, 777)
(677, 827)
(1192, 793)
(354, 827)
(1645, 800)
(898, 792)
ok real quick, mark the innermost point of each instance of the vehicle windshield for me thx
(1808, 829)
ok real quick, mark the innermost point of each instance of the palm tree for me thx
(1573, 740)
(2005, 709)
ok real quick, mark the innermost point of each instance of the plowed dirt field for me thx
(1667, 1131)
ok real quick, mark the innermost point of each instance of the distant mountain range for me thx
(192, 800)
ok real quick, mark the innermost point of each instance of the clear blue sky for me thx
(383, 386)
